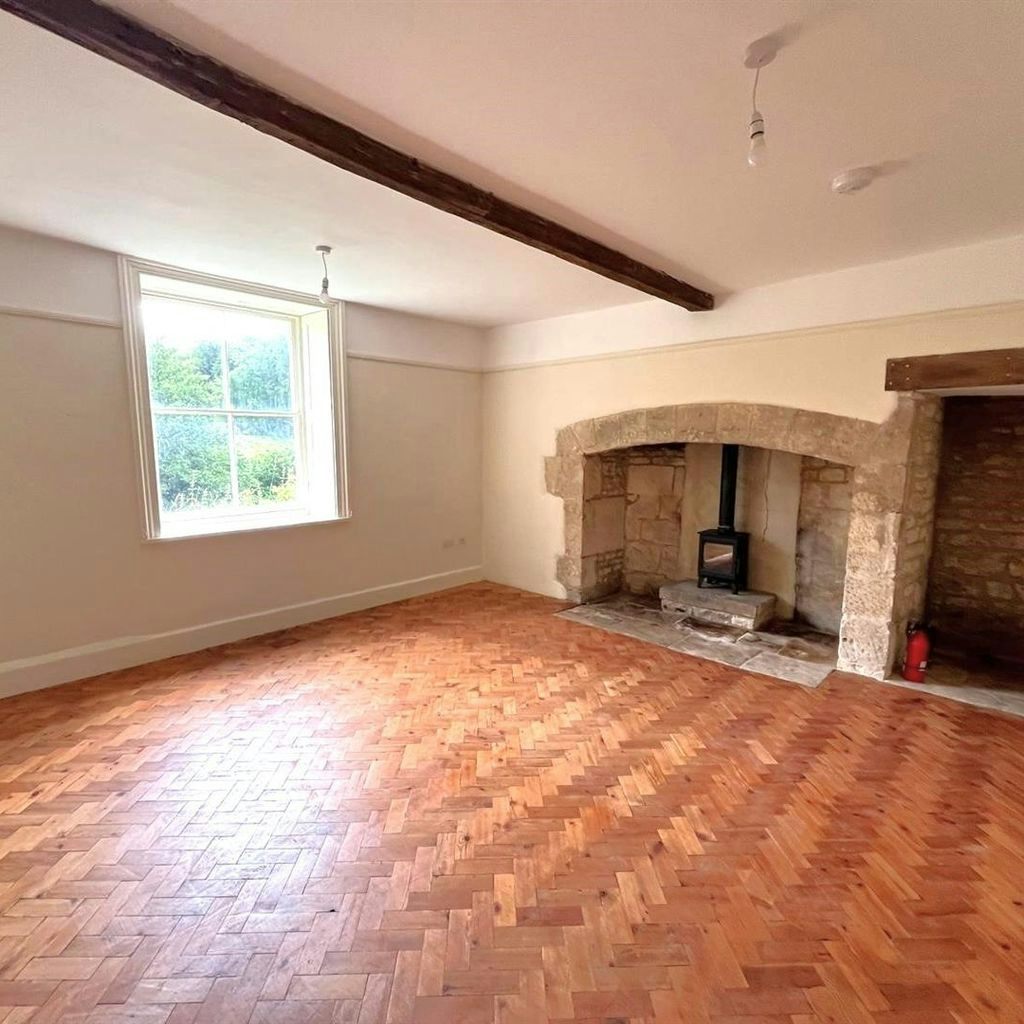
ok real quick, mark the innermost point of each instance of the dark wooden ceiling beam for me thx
(1001, 367)
(201, 78)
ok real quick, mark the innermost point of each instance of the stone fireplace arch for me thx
(894, 470)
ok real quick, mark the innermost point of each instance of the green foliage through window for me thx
(202, 358)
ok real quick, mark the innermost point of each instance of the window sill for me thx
(223, 528)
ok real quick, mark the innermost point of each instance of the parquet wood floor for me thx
(463, 809)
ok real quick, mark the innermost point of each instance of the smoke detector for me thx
(853, 180)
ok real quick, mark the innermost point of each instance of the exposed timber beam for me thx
(1001, 367)
(201, 78)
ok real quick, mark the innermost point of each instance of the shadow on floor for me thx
(972, 680)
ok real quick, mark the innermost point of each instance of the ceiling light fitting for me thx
(325, 251)
(853, 180)
(759, 54)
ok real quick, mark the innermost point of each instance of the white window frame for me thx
(332, 507)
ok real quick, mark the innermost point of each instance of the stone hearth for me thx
(787, 651)
(892, 470)
(749, 609)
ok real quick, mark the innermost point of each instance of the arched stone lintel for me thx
(841, 439)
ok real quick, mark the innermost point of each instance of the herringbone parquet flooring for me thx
(463, 809)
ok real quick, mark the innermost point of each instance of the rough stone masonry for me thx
(891, 505)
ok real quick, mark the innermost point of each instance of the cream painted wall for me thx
(76, 573)
(969, 276)
(700, 502)
(80, 592)
(772, 536)
(838, 370)
(56, 278)
(768, 506)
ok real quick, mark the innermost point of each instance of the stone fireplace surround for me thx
(894, 465)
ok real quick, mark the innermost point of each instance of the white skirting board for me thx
(23, 674)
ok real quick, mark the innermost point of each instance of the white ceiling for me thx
(624, 119)
(94, 153)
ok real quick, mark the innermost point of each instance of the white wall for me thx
(82, 592)
(988, 273)
(838, 369)
(54, 278)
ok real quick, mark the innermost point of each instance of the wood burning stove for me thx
(723, 552)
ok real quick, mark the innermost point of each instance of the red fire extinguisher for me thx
(916, 659)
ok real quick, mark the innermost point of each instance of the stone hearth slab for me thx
(800, 656)
(749, 609)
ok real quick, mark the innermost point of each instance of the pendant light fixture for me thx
(325, 251)
(759, 54)
(758, 151)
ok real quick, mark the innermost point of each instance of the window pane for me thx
(184, 356)
(259, 366)
(184, 344)
(265, 454)
(193, 462)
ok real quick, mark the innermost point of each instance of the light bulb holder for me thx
(756, 152)
(760, 53)
(325, 251)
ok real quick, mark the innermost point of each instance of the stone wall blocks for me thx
(735, 421)
(669, 507)
(871, 544)
(643, 506)
(620, 430)
(661, 425)
(865, 646)
(643, 583)
(573, 535)
(879, 487)
(833, 438)
(660, 531)
(563, 476)
(604, 521)
(568, 571)
(553, 474)
(698, 423)
(650, 480)
(773, 426)
(886, 553)
(567, 440)
(668, 562)
(584, 433)
(593, 477)
(869, 595)
(645, 557)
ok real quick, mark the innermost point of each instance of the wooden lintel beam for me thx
(999, 367)
(201, 78)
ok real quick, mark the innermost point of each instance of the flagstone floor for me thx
(785, 650)
(971, 681)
